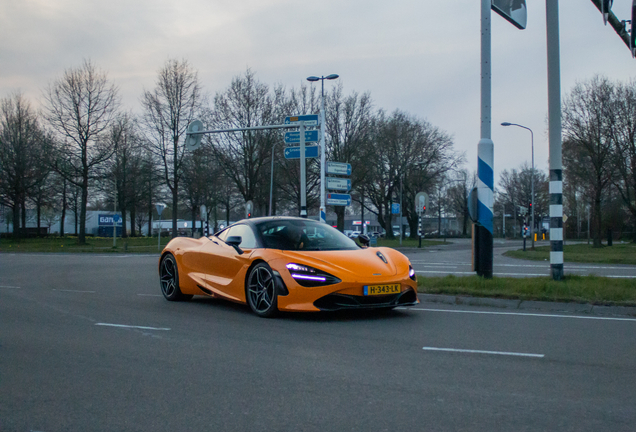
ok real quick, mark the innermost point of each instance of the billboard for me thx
(512, 10)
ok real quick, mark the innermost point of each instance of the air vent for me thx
(382, 257)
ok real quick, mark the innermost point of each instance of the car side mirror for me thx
(235, 241)
(364, 239)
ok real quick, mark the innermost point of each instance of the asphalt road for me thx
(455, 258)
(88, 344)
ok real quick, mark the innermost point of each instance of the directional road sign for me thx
(395, 208)
(338, 199)
(294, 137)
(339, 168)
(310, 120)
(294, 152)
(334, 183)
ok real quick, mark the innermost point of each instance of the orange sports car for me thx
(287, 264)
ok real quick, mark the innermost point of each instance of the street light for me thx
(532, 196)
(323, 207)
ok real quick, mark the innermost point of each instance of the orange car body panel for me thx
(208, 266)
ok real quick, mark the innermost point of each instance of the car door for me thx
(227, 267)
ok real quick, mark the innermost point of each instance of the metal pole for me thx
(401, 211)
(554, 128)
(485, 153)
(271, 182)
(323, 158)
(503, 227)
(115, 223)
(532, 198)
(303, 176)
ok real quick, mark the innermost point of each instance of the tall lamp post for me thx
(532, 193)
(323, 162)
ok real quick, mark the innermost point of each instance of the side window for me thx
(245, 232)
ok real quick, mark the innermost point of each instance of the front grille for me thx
(333, 302)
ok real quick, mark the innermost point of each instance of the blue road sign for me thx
(342, 184)
(395, 208)
(340, 168)
(310, 120)
(338, 199)
(116, 217)
(294, 137)
(294, 152)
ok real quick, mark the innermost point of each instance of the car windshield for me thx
(307, 235)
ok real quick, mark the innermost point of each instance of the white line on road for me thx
(150, 295)
(9, 287)
(568, 266)
(522, 314)
(75, 291)
(484, 352)
(131, 326)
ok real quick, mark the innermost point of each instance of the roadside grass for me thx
(578, 289)
(408, 242)
(129, 245)
(617, 254)
(69, 244)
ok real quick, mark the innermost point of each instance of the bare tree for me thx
(244, 156)
(587, 143)
(349, 129)
(80, 107)
(23, 153)
(623, 133)
(176, 100)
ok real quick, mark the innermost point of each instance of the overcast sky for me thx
(420, 56)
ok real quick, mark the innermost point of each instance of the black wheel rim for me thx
(168, 277)
(261, 289)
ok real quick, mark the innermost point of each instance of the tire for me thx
(260, 290)
(169, 279)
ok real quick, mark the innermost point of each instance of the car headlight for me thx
(310, 277)
(412, 273)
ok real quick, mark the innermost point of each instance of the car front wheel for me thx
(261, 291)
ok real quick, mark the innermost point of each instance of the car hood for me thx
(360, 263)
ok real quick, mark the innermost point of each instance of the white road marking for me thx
(484, 352)
(568, 266)
(521, 314)
(75, 291)
(9, 287)
(150, 295)
(132, 326)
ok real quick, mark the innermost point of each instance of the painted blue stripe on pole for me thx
(485, 217)
(486, 174)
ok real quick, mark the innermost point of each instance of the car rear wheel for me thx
(169, 279)
(261, 291)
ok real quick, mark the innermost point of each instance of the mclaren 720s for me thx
(287, 264)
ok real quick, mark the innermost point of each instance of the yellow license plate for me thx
(381, 289)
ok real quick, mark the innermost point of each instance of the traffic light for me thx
(424, 210)
(530, 206)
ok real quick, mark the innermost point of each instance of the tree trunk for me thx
(81, 239)
(16, 220)
(175, 203)
(62, 219)
(599, 223)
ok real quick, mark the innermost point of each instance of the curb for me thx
(544, 306)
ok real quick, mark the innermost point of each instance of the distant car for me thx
(285, 263)
(354, 234)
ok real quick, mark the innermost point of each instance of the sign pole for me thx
(303, 175)
(485, 154)
(115, 224)
(555, 139)
(323, 208)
